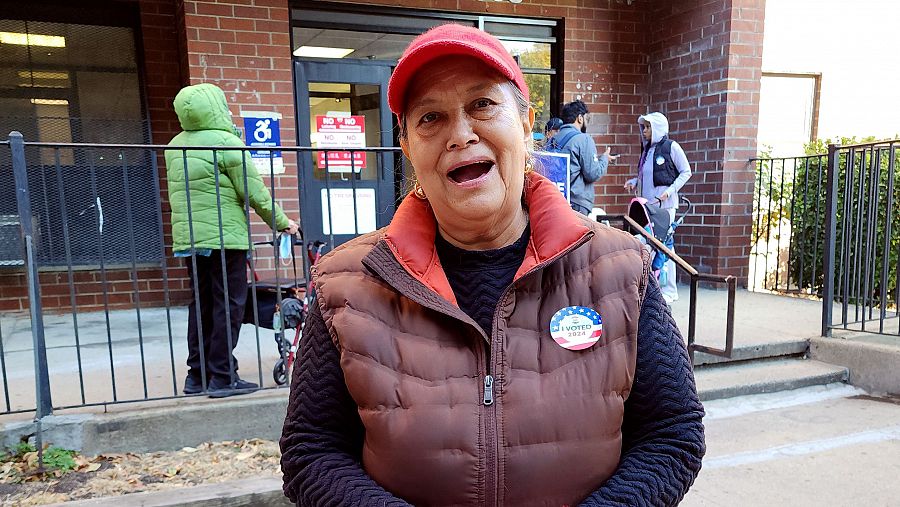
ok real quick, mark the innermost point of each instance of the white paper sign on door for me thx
(342, 211)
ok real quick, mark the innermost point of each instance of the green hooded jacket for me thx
(206, 120)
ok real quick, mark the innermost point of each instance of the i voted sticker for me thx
(576, 327)
(660, 161)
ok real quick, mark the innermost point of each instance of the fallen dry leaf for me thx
(118, 474)
(244, 455)
(31, 459)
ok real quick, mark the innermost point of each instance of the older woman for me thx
(490, 346)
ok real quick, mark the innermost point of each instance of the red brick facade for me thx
(697, 61)
(705, 71)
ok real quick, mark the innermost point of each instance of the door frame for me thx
(348, 71)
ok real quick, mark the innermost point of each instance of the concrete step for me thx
(766, 376)
(789, 347)
(147, 427)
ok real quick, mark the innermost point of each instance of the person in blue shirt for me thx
(585, 165)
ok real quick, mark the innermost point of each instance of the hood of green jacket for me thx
(203, 107)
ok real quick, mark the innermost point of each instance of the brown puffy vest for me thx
(417, 366)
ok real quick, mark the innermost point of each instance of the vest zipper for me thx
(492, 440)
(492, 480)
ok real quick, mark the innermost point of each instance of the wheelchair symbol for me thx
(263, 132)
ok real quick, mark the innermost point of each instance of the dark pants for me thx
(581, 209)
(216, 326)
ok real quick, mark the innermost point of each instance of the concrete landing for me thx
(766, 325)
(151, 364)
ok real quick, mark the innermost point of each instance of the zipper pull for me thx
(488, 390)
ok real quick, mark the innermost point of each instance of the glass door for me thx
(342, 109)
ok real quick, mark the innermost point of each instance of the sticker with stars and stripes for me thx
(576, 327)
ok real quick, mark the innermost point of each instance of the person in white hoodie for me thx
(662, 171)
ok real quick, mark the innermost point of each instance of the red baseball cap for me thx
(450, 39)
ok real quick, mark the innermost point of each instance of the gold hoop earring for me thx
(419, 192)
(529, 165)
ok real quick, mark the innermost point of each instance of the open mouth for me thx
(471, 171)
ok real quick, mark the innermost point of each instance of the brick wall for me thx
(88, 289)
(164, 74)
(606, 67)
(705, 59)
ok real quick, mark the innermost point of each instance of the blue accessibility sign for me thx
(263, 130)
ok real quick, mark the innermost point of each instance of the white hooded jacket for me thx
(659, 125)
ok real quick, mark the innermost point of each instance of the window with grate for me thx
(78, 83)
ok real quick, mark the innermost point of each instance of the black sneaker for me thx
(219, 389)
(192, 385)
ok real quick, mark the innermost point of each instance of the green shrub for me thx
(871, 209)
(23, 448)
(56, 458)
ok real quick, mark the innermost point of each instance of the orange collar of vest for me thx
(554, 228)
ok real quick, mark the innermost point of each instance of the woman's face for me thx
(466, 140)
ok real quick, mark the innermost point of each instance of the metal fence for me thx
(828, 226)
(788, 228)
(117, 332)
(861, 256)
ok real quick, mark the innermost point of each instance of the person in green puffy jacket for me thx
(213, 228)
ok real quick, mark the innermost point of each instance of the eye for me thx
(483, 103)
(428, 118)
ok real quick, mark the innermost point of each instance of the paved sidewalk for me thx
(811, 447)
(760, 318)
(817, 446)
(164, 355)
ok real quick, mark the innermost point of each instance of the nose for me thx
(461, 132)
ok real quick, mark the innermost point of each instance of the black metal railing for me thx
(861, 253)
(788, 228)
(627, 223)
(107, 300)
(91, 179)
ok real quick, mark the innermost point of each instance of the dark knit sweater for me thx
(662, 431)
(479, 277)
